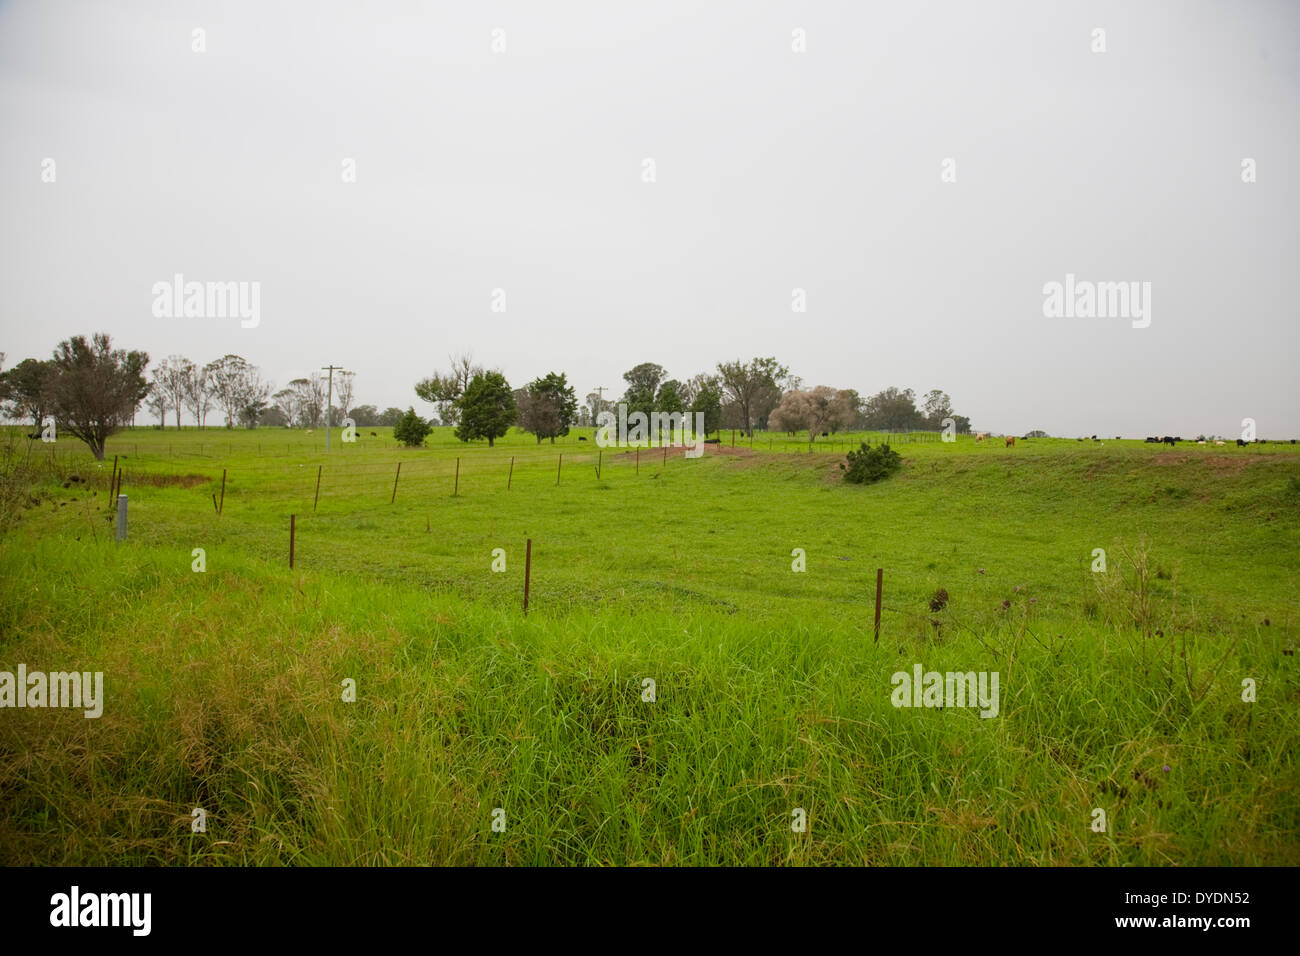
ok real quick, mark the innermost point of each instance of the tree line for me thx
(91, 390)
(758, 394)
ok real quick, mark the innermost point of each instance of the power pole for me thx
(600, 398)
(329, 401)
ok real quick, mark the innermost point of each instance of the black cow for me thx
(582, 438)
(1169, 440)
(1151, 441)
(712, 441)
(1241, 443)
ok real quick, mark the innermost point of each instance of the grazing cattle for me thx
(374, 434)
(1151, 441)
(582, 438)
(712, 441)
(310, 430)
(826, 434)
(1011, 440)
(1169, 440)
(980, 436)
(1218, 442)
(1240, 443)
(1094, 437)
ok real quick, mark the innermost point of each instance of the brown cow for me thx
(1011, 440)
(980, 436)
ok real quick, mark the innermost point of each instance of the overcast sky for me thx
(775, 170)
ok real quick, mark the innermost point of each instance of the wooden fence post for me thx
(121, 517)
(600, 458)
(880, 576)
(455, 492)
(395, 477)
(222, 506)
(528, 571)
(510, 477)
(317, 501)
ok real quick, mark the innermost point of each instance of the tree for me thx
(815, 409)
(754, 388)
(642, 386)
(286, 403)
(547, 407)
(198, 393)
(309, 399)
(868, 465)
(390, 417)
(366, 416)
(94, 388)
(411, 429)
(26, 388)
(156, 401)
(444, 390)
(486, 408)
(707, 398)
(253, 400)
(173, 377)
(343, 385)
(937, 406)
(273, 417)
(892, 410)
(226, 374)
(596, 405)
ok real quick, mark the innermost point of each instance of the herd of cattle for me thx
(1169, 440)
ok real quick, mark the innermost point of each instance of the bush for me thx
(869, 465)
(411, 429)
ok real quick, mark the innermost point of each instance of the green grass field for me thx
(1120, 691)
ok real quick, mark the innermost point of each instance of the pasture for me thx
(1121, 690)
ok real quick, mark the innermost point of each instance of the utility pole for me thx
(600, 402)
(329, 401)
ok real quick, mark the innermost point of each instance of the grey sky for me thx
(775, 170)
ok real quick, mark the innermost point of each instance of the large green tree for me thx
(95, 388)
(486, 408)
(26, 390)
(547, 407)
(642, 387)
(707, 398)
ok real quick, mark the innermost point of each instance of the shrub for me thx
(868, 465)
(411, 429)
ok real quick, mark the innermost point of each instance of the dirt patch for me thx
(1227, 464)
(166, 481)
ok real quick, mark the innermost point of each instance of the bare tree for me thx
(156, 401)
(173, 377)
(444, 390)
(198, 392)
(309, 395)
(343, 384)
(753, 387)
(286, 400)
